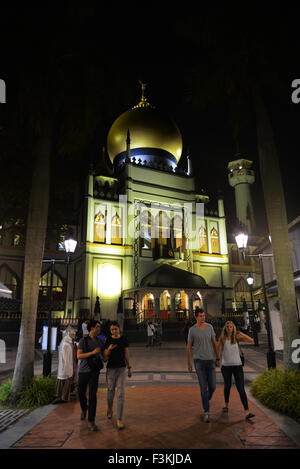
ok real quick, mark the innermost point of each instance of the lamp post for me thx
(241, 240)
(70, 246)
(250, 281)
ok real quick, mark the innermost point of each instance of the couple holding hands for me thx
(205, 348)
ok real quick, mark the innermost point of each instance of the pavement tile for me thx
(159, 417)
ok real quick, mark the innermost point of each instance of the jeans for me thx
(115, 378)
(206, 372)
(237, 372)
(88, 379)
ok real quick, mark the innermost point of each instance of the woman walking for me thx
(231, 363)
(117, 355)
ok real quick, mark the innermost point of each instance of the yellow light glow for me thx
(109, 281)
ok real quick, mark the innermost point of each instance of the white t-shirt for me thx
(150, 330)
(231, 354)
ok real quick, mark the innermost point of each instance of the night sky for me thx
(150, 47)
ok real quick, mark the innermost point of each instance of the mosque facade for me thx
(148, 243)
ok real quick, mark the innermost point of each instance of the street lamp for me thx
(70, 246)
(250, 281)
(241, 241)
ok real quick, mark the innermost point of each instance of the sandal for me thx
(120, 426)
(225, 410)
(250, 416)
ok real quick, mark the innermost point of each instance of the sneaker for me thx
(92, 427)
(83, 415)
(206, 417)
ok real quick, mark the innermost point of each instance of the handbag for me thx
(95, 363)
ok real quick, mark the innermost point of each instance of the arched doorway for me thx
(181, 305)
(148, 305)
(165, 305)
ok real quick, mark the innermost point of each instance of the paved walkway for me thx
(162, 410)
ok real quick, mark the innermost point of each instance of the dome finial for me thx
(143, 102)
(143, 85)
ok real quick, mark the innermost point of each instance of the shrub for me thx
(279, 390)
(39, 392)
(5, 390)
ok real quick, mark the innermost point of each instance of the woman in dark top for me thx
(116, 353)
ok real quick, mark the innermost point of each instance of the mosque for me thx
(148, 242)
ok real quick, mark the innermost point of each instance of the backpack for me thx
(95, 363)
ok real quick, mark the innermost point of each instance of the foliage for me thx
(279, 390)
(39, 392)
(5, 390)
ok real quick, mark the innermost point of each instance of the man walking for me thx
(203, 339)
(88, 352)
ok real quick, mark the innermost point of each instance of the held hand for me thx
(218, 363)
(190, 368)
(129, 373)
(96, 350)
(111, 347)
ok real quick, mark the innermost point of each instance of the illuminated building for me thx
(163, 270)
(181, 257)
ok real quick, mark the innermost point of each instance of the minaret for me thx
(128, 150)
(189, 164)
(240, 177)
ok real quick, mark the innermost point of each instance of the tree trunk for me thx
(277, 222)
(34, 251)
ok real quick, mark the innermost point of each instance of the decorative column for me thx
(191, 306)
(157, 306)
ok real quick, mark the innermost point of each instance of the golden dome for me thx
(148, 128)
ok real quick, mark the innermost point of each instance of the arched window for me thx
(116, 235)
(45, 287)
(147, 242)
(177, 232)
(203, 239)
(215, 244)
(99, 228)
(8, 278)
(242, 291)
(163, 228)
